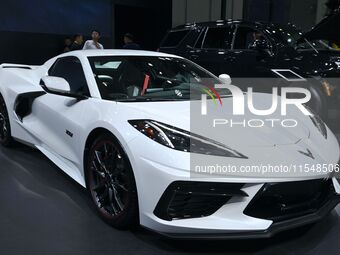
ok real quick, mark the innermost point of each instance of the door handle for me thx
(230, 58)
(194, 57)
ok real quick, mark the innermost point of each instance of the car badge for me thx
(178, 93)
(308, 154)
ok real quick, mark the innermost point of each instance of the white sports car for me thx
(118, 122)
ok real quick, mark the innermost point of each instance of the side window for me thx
(217, 38)
(246, 38)
(191, 38)
(174, 38)
(71, 70)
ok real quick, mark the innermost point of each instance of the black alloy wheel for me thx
(5, 128)
(111, 183)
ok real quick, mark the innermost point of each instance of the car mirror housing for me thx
(225, 79)
(56, 84)
(263, 47)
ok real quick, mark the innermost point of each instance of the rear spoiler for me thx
(3, 66)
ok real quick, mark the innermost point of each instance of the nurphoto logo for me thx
(242, 100)
(239, 100)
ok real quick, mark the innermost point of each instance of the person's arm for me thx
(86, 45)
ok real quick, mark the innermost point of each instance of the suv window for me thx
(200, 39)
(71, 70)
(174, 38)
(246, 37)
(217, 38)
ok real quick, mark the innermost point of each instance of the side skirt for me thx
(66, 166)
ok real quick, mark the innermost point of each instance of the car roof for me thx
(269, 26)
(100, 53)
(221, 22)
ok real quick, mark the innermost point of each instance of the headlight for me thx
(317, 121)
(182, 140)
(319, 124)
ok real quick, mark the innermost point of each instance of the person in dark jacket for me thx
(77, 42)
(67, 44)
(129, 43)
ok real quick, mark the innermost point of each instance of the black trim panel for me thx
(23, 103)
(17, 67)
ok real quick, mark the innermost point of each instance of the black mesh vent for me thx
(283, 201)
(184, 200)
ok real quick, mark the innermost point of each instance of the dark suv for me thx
(257, 50)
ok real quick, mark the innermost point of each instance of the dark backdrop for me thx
(57, 16)
(276, 11)
(33, 31)
(299, 12)
(145, 23)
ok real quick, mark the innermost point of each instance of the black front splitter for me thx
(274, 229)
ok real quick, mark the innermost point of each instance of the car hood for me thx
(327, 29)
(180, 114)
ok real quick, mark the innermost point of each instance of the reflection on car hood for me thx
(180, 114)
(327, 29)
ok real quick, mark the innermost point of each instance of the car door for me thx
(250, 61)
(212, 49)
(57, 119)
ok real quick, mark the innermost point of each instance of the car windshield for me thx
(141, 78)
(291, 36)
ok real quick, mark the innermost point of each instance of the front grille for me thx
(284, 201)
(183, 200)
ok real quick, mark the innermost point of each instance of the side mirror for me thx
(56, 84)
(225, 79)
(263, 47)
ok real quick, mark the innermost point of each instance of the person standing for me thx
(129, 43)
(77, 42)
(67, 45)
(94, 43)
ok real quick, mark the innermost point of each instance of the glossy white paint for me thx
(225, 78)
(155, 166)
(56, 84)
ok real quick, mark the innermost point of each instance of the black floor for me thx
(45, 212)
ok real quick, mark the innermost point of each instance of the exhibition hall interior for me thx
(169, 127)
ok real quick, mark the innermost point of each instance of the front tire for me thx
(6, 139)
(111, 183)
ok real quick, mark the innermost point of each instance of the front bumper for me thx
(292, 214)
(274, 229)
(229, 220)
